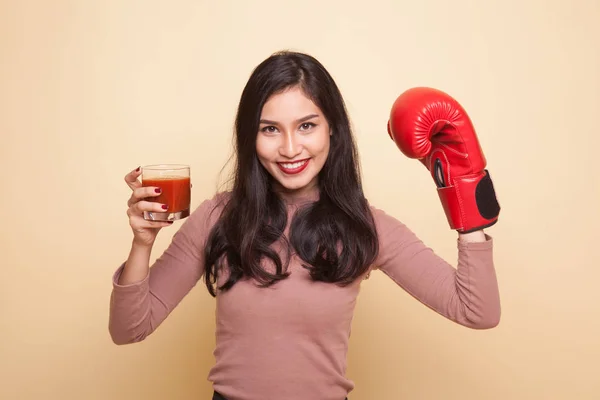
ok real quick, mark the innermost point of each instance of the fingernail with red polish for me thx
(157, 190)
(164, 206)
(137, 169)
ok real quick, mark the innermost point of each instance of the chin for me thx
(294, 184)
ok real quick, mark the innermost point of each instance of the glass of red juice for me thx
(174, 182)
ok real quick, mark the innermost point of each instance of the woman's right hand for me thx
(144, 232)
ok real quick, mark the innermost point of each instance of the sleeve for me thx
(467, 294)
(137, 309)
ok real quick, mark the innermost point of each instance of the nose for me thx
(291, 146)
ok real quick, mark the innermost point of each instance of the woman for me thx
(284, 252)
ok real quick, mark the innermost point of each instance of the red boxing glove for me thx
(431, 126)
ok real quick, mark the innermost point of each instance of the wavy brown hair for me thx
(335, 235)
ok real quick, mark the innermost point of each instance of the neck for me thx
(300, 196)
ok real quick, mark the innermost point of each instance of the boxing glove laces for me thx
(431, 126)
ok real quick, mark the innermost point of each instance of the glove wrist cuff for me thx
(470, 202)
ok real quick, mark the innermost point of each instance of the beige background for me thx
(91, 89)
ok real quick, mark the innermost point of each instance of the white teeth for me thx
(293, 165)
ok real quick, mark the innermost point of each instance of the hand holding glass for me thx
(175, 185)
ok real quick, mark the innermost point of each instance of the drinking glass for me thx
(174, 182)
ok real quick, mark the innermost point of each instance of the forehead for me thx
(292, 103)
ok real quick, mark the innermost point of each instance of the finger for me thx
(132, 178)
(139, 207)
(141, 193)
(138, 222)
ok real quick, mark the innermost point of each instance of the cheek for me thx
(263, 149)
(321, 145)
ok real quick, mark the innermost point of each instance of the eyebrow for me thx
(303, 119)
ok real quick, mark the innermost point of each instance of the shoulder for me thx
(207, 213)
(384, 221)
(215, 203)
(392, 232)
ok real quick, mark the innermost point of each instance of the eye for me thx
(307, 125)
(269, 129)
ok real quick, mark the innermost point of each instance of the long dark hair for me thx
(335, 235)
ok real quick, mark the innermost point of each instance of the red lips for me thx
(296, 169)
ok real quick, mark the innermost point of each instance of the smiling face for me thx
(293, 140)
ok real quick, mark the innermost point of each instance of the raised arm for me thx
(143, 296)
(466, 294)
(429, 125)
